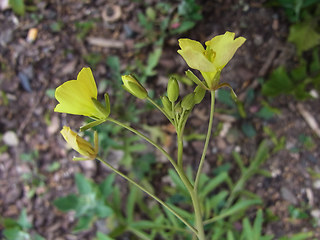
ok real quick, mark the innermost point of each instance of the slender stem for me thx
(198, 214)
(206, 144)
(180, 150)
(160, 109)
(181, 174)
(190, 188)
(149, 193)
(145, 138)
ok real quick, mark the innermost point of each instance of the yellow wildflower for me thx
(210, 61)
(79, 97)
(80, 145)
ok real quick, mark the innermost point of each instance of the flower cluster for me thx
(79, 96)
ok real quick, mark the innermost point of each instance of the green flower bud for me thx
(166, 103)
(173, 89)
(167, 106)
(188, 102)
(199, 93)
(131, 84)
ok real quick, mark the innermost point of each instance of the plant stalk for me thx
(206, 144)
(149, 193)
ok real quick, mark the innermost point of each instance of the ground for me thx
(32, 68)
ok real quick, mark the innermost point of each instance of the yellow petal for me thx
(79, 144)
(186, 43)
(70, 137)
(225, 47)
(75, 96)
(196, 60)
(193, 53)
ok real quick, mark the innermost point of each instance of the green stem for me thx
(149, 193)
(198, 214)
(181, 174)
(145, 138)
(180, 150)
(160, 109)
(206, 144)
(192, 191)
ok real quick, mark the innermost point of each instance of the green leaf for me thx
(279, 82)
(23, 220)
(248, 129)
(299, 73)
(83, 184)
(212, 184)
(304, 36)
(101, 236)
(83, 223)
(152, 62)
(265, 113)
(9, 222)
(16, 234)
(131, 203)
(53, 167)
(240, 206)
(298, 236)
(67, 203)
(103, 211)
(257, 225)
(106, 187)
(177, 181)
(184, 26)
(261, 155)
(17, 6)
(230, 236)
(113, 63)
(247, 230)
(315, 64)
(38, 237)
(218, 200)
(224, 96)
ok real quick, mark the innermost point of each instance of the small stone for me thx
(316, 214)
(288, 195)
(316, 184)
(10, 138)
(54, 125)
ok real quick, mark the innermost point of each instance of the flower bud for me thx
(199, 93)
(79, 144)
(131, 84)
(167, 106)
(166, 103)
(188, 102)
(173, 89)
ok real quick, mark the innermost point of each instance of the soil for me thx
(32, 68)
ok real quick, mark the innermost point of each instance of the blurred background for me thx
(276, 75)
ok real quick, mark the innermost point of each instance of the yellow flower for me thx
(210, 61)
(79, 97)
(80, 145)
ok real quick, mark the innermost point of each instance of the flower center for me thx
(210, 54)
